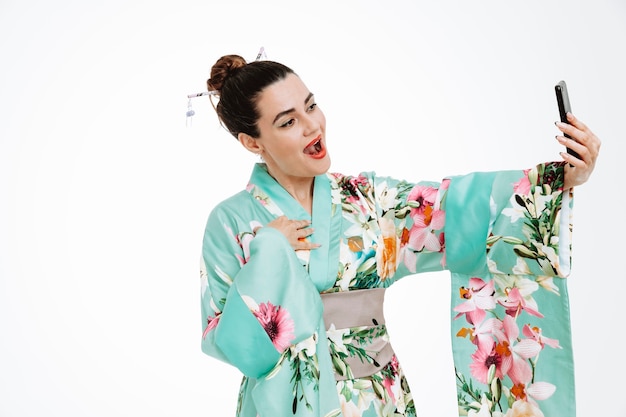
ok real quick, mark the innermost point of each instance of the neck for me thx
(302, 193)
(305, 199)
(300, 188)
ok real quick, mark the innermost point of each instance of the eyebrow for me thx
(282, 113)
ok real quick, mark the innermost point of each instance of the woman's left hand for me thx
(584, 142)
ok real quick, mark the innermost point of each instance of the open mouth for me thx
(316, 148)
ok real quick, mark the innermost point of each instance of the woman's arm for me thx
(256, 299)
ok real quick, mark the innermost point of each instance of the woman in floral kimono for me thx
(295, 267)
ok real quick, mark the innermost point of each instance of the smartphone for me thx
(562, 99)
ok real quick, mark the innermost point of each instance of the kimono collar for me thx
(326, 220)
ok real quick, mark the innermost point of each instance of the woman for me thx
(295, 267)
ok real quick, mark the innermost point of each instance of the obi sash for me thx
(361, 310)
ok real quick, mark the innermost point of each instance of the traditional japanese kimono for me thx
(307, 330)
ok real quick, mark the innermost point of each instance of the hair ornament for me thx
(261, 54)
(214, 93)
(190, 111)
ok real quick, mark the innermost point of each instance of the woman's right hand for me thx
(296, 232)
(585, 143)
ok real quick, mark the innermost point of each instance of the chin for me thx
(324, 165)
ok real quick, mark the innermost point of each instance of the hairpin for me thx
(261, 54)
(191, 112)
(204, 93)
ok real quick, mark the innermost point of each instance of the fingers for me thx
(302, 231)
(573, 120)
(591, 141)
(577, 147)
(584, 142)
(305, 245)
(300, 224)
(296, 232)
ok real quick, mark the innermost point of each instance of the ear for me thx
(250, 143)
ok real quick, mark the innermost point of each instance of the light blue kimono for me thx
(306, 327)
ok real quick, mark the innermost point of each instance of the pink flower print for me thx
(277, 324)
(243, 240)
(539, 391)
(425, 196)
(409, 258)
(358, 181)
(483, 334)
(523, 185)
(422, 234)
(533, 392)
(479, 298)
(442, 242)
(390, 380)
(515, 303)
(395, 365)
(535, 334)
(426, 219)
(482, 361)
(388, 383)
(244, 243)
(355, 201)
(515, 354)
(211, 324)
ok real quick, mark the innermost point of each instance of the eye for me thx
(288, 123)
(312, 107)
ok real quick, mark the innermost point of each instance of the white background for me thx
(105, 190)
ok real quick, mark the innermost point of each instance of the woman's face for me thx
(292, 129)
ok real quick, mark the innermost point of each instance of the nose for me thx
(312, 123)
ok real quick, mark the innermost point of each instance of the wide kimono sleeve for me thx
(507, 220)
(505, 237)
(508, 246)
(245, 312)
(464, 223)
(260, 311)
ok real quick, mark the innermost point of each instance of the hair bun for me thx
(222, 69)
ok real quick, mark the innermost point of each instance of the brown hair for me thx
(238, 85)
